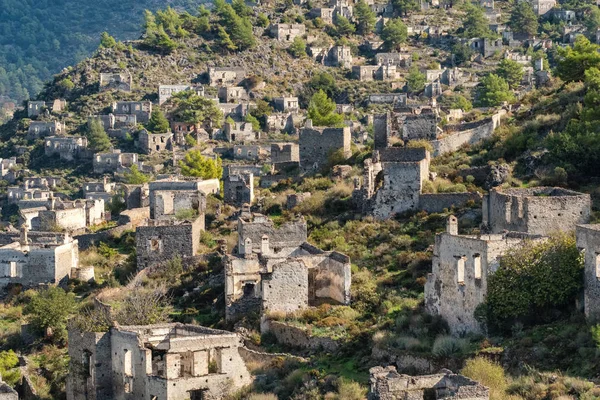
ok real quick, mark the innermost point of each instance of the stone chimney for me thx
(308, 124)
(23, 239)
(452, 225)
(52, 201)
(26, 184)
(264, 245)
(105, 180)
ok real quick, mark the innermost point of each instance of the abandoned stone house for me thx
(16, 194)
(275, 269)
(41, 182)
(394, 99)
(238, 132)
(317, 145)
(406, 126)
(324, 13)
(141, 109)
(35, 108)
(462, 265)
(446, 76)
(287, 32)
(67, 147)
(343, 8)
(237, 111)
(249, 152)
(588, 241)
(387, 384)
(283, 122)
(116, 81)
(40, 129)
(70, 216)
(149, 143)
(104, 190)
(113, 161)
(400, 60)
(433, 89)
(541, 7)
(286, 104)
(156, 362)
(539, 210)
(34, 258)
(393, 180)
(285, 153)
(238, 189)
(165, 92)
(486, 47)
(112, 122)
(164, 239)
(339, 56)
(375, 72)
(224, 76)
(232, 94)
(9, 169)
(167, 197)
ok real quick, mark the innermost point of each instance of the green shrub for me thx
(448, 346)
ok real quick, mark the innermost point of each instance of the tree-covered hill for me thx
(39, 38)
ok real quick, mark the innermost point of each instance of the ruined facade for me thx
(34, 258)
(285, 153)
(375, 72)
(400, 60)
(156, 362)
(71, 216)
(317, 144)
(113, 161)
(462, 265)
(539, 210)
(225, 76)
(588, 240)
(116, 81)
(150, 143)
(232, 94)
(67, 147)
(387, 384)
(238, 189)
(39, 129)
(286, 104)
(275, 269)
(287, 32)
(141, 109)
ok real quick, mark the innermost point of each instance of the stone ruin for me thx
(588, 240)
(116, 81)
(393, 183)
(177, 210)
(34, 258)
(461, 266)
(167, 362)
(539, 210)
(317, 144)
(274, 269)
(238, 189)
(7, 392)
(463, 263)
(387, 384)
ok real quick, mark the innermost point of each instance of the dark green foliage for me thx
(574, 61)
(135, 177)
(592, 19)
(415, 80)
(394, 34)
(298, 47)
(238, 27)
(533, 278)
(322, 111)
(158, 123)
(494, 91)
(365, 17)
(462, 54)
(405, 6)
(323, 81)
(107, 41)
(475, 23)
(194, 109)
(98, 140)
(523, 19)
(511, 71)
(50, 309)
(344, 26)
(40, 38)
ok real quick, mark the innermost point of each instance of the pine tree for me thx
(511, 71)
(366, 18)
(415, 81)
(158, 123)
(98, 140)
(321, 111)
(494, 91)
(344, 26)
(224, 40)
(394, 34)
(523, 19)
(195, 164)
(107, 41)
(475, 23)
(298, 47)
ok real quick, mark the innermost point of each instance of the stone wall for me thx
(588, 240)
(290, 234)
(296, 337)
(286, 288)
(540, 210)
(457, 135)
(316, 145)
(158, 243)
(94, 239)
(438, 202)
